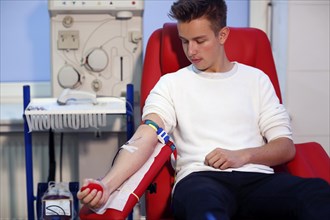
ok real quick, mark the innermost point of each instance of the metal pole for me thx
(28, 156)
(130, 110)
(130, 119)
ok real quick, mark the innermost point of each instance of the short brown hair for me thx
(213, 10)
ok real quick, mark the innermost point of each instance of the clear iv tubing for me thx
(60, 121)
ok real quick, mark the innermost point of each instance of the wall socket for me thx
(68, 40)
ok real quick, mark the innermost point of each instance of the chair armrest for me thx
(161, 195)
(310, 160)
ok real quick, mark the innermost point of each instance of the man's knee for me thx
(315, 199)
(198, 198)
(317, 186)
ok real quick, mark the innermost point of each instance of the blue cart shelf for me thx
(126, 109)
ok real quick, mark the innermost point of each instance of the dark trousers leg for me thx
(220, 195)
(199, 197)
(282, 196)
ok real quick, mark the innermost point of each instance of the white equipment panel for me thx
(96, 45)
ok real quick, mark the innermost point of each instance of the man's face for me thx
(200, 44)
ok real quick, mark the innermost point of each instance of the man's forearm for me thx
(142, 145)
(274, 153)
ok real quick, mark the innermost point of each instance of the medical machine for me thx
(96, 45)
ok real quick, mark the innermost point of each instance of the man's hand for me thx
(275, 152)
(93, 198)
(223, 159)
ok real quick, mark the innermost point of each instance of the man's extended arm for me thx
(126, 164)
(275, 152)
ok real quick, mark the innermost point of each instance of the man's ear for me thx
(223, 34)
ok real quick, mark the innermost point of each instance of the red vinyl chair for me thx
(164, 55)
(249, 46)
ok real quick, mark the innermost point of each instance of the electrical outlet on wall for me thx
(68, 40)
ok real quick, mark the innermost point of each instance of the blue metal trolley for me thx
(28, 142)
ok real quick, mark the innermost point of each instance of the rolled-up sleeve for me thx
(274, 121)
(160, 102)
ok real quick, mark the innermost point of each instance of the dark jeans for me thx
(243, 195)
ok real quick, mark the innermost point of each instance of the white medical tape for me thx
(132, 140)
(129, 148)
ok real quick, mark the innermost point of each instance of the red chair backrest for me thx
(164, 54)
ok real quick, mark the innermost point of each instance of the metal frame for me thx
(28, 142)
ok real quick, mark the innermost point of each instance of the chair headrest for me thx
(240, 46)
(172, 56)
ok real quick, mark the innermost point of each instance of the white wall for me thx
(299, 31)
(307, 71)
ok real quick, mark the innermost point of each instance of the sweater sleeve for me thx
(274, 121)
(159, 101)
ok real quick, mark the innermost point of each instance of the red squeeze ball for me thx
(92, 186)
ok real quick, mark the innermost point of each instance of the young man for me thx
(219, 114)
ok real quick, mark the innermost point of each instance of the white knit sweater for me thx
(232, 110)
